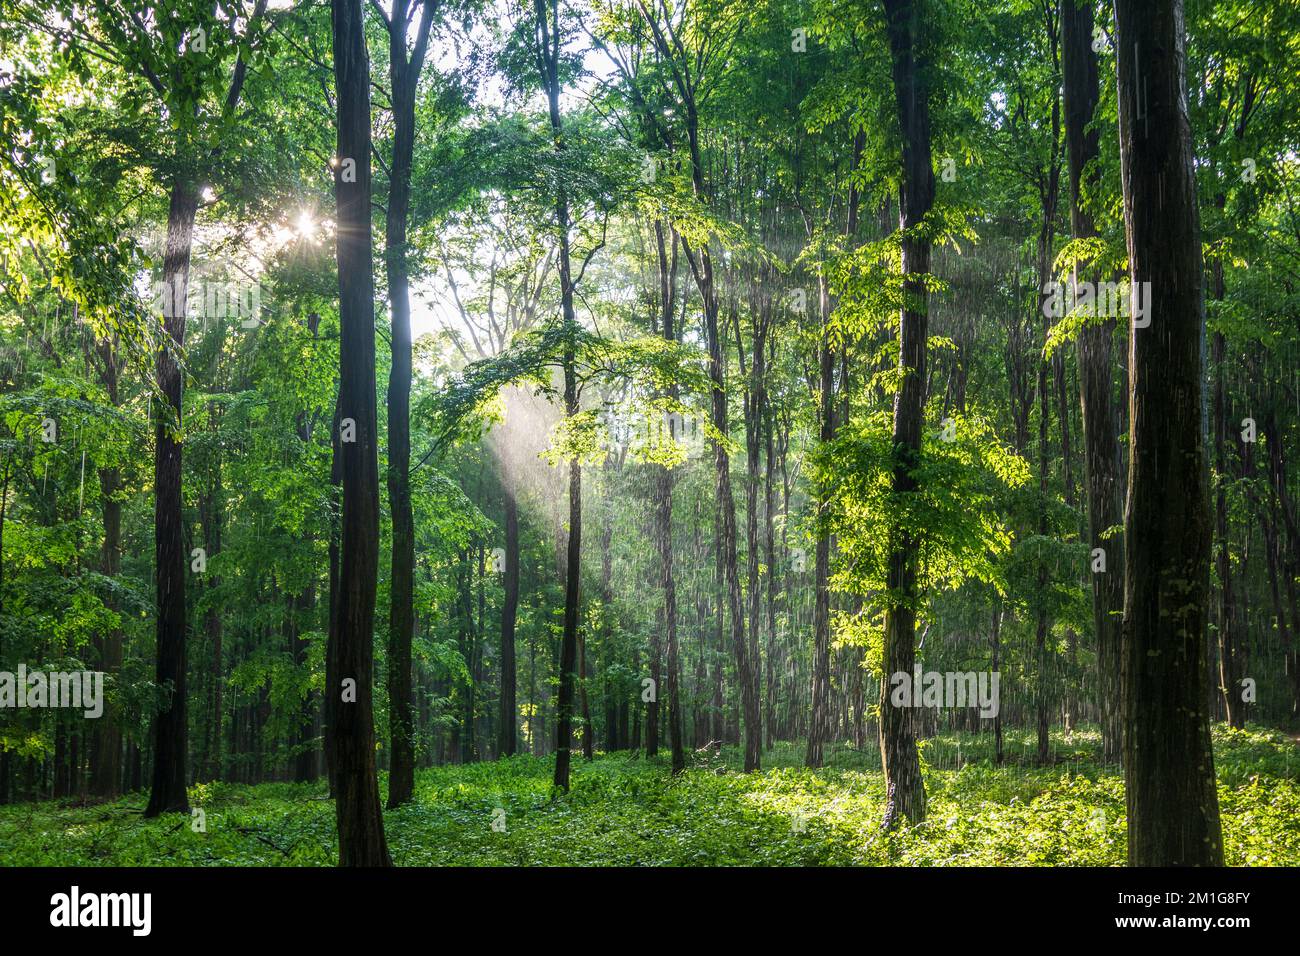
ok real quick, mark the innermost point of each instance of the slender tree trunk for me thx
(588, 729)
(821, 677)
(350, 655)
(910, 65)
(769, 541)
(702, 268)
(508, 735)
(335, 532)
(405, 77)
(1096, 379)
(106, 767)
(1230, 672)
(1173, 809)
(548, 51)
(664, 513)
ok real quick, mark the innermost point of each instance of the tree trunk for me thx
(664, 511)
(821, 677)
(1101, 445)
(106, 769)
(405, 78)
(910, 65)
(1230, 670)
(351, 653)
(1173, 809)
(549, 61)
(170, 726)
(508, 735)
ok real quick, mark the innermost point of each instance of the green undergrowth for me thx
(625, 810)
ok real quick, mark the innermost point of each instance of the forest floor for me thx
(625, 810)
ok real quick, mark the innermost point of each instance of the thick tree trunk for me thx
(351, 653)
(1173, 809)
(170, 726)
(910, 66)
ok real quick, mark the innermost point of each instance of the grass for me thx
(627, 811)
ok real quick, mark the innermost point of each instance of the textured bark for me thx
(549, 44)
(910, 66)
(170, 726)
(351, 653)
(1173, 811)
(405, 77)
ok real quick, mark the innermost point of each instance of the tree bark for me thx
(351, 653)
(910, 66)
(1101, 445)
(548, 52)
(405, 78)
(170, 726)
(1173, 809)
(1102, 463)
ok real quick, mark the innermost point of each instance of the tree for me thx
(906, 27)
(350, 665)
(1101, 456)
(1173, 808)
(689, 80)
(404, 75)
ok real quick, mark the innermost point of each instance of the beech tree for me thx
(350, 667)
(1173, 806)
